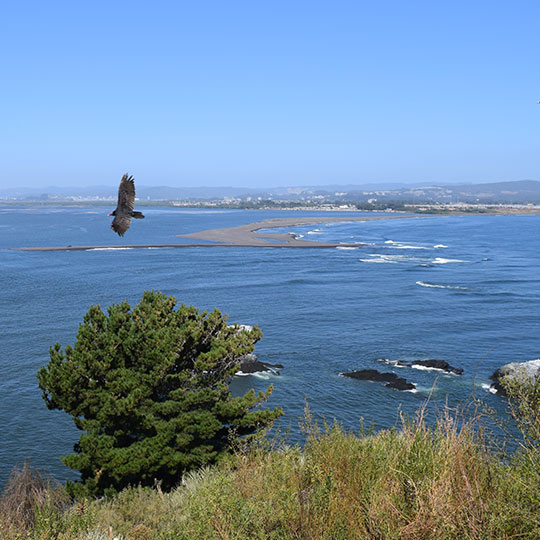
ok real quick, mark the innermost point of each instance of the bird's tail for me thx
(137, 215)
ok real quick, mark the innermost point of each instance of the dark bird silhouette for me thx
(124, 207)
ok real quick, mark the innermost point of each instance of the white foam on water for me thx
(393, 363)
(345, 247)
(405, 246)
(265, 375)
(109, 249)
(402, 245)
(440, 260)
(428, 368)
(393, 259)
(424, 368)
(436, 286)
(376, 258)
(440, 246)
(488, 388)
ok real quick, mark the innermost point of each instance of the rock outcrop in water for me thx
(251, 364)
(440, 365)
(519, 371)
(391, 379)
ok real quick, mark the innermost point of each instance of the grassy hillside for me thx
(418, 482)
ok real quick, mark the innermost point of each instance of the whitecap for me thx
(392, 259)
(376, 258)
(440, 260)
(258, 374)
(109, 249)
(436, 286)
(488, 388)
(345, 247)
(404, 246)
(428, 368)
(440, 246)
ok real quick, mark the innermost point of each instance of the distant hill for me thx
(521, 191)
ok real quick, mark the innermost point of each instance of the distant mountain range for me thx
(522, 191)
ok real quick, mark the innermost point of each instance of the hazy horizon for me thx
(366, 185)
(259, 95)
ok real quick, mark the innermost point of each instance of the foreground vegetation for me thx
(414, 483)
(148, 387)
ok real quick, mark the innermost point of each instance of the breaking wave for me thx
(109, 249)
(402, 245)
(440, 260)
(436, 286)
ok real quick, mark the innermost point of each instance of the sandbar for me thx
(249, 235)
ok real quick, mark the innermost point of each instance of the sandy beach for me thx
(248, 235)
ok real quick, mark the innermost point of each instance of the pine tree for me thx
(149, 387)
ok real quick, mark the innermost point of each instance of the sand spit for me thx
(248, 235)
(241, 236)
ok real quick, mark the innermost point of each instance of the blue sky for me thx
(267, 93)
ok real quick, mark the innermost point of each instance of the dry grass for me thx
(27, 492)
(415, 483)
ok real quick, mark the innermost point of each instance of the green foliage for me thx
(523, 394)
(149, 386)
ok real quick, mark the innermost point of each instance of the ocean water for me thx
(465, 289)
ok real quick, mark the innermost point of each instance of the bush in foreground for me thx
(149, 386)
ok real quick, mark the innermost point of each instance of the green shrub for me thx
(149, 386)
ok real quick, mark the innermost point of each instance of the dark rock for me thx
(441, 365)
(401, 384)
(391, 379)
(524, 371)
(251, 364)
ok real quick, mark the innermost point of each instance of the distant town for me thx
(502, 197)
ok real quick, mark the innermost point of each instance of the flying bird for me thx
(124, 207)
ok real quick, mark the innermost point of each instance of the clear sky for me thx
(269, 92)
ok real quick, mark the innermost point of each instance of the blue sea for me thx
(465, 289)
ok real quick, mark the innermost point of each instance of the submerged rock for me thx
(251, 364)
(519, 371)
(391, 379)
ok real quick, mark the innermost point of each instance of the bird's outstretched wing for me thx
(126, 194)
(124, 207)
